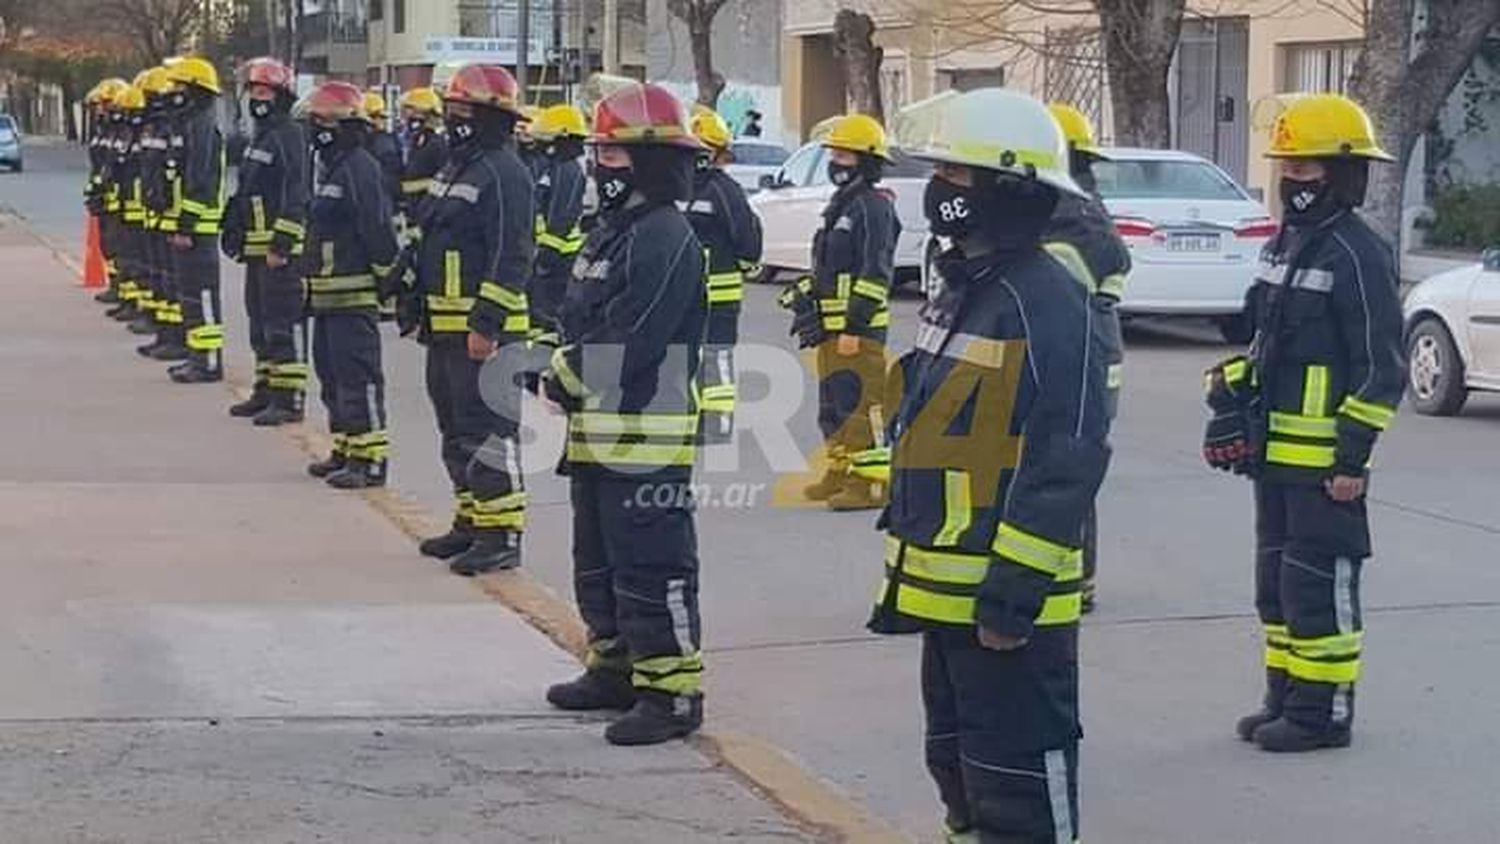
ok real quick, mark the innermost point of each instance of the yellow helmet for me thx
(130, 99)
(423, 100)
(104, 93)
(562, 120)
(858, 133)
(194, 71)
(1076, 127)
(375, 106)
(710, 128)
(990, 128)
(157, 81)
(1322, 126)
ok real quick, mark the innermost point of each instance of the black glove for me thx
(232, 244)
(1227, 441)
(807, 323)
(551, 263)
(554, 391)
(409, 313)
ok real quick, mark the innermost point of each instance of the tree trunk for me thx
(70, 122)
(1405, 91)
(854, 42)
(1140, 38)
(700, 33)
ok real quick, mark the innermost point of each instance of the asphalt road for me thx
(1171, 657)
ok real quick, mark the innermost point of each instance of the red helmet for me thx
(336, 101)
(269, 72)
(642, 114)
(484, 85)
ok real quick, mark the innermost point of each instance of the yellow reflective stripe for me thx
(843, 282)
(631, 454)
(616, 424)
(933, 606)
(940, 567)
(881, 320)
(833, 306)
(450, 305)
(506, 511)
(1113, 286)
(517, 323)
(206, 338)
(1030, 550)
(340, 283)
(725, 297)
(1377, 416)
(290, 227)
(340, 301)
(453, 280)
(327, 268)
(1060, 609)
(565, 374)
(1322, 672)
(835, 323)
(957, 507)
(720, 398)
(446, 324)
(1298, 454)
(1236, 370)
(872, 464)
(415, 185)
(201, 209)
(1295, 425)
(675, 675)
(563, 245)
(506, 297)
(1338, 645)
(871, 290)
(257, 215)
(726, 279)
(1315, 391)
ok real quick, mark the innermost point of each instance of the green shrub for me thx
(1465, 217)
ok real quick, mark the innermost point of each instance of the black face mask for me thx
(261, 109)
(1306, 202)
(842, 174)
(415, 125)
(462, 130)
(324, 137)
(615, 185)
(950, 209)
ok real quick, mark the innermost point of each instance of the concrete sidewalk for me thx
(198, 643)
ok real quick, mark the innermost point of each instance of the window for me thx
(1319, 67)
(398, 12)
(1142, 179)
(377, 10)
(759, 155)
(797, 171)
(970, 78)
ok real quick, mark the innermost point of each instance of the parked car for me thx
(791, 203)
(1453, 336)
(754, 159)
(10, 143)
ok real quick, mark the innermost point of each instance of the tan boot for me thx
(858, 495)
(825, 487)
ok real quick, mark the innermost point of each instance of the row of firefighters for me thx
(998, 437)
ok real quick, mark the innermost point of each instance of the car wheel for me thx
(1434, 371)
(1235, 329)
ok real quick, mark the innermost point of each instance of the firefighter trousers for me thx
(849, 388)
(1308, 556)
(718, 394)
(195, 272)
(1002, 734)
(478, 417)
(162, 301)
(346, 356)
(277, 313)
(635, 577)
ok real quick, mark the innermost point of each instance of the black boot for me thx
(1245, 728)
(487, 554)
(142, 325)
(147, 350)
(1283, 736)
(282, 408)
(1270, 705)
(655, 718)
(195, 372)
(593, 690)
(123, 312)
(457, 540)
(1087, 596)
(330, 465)
(259, 400)
(359, 474)
(109, 296)
(170, 345)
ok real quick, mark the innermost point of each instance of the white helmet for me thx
(992, 128)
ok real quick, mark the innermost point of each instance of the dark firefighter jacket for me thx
(731, 237)
(351, 238)
(269, 208)
(853, 259)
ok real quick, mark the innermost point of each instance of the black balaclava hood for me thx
(489, 128)
(1316, 202)
(1081, 167)
(662, 173)
(566, 148)
(1003, 210)
(868, 170)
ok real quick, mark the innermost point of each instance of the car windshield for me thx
(7, 128)
(759, 155)
(1144, 179)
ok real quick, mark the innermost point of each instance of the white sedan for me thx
(1453, 336)
(791, 202)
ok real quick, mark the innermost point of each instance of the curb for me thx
(772, 773)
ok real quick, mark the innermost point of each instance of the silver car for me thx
(10, 143)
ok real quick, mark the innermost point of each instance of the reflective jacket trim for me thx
(1315, 391)
(671, 674)
(1297, 425)
(1372, 414)
(565, 374)
(413, 187)
(1073, 261)
(453, 279)
(958, 507)
(632, 439)
(719, 398)
(518, 313)
(505, 511)
(942, 586)
(1030, 550)
(726, 287)
(1300, 454)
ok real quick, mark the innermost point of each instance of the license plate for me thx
(1193, 243)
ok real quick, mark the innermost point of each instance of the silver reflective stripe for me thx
(512, 452)
(930, 338)
(1340, 711)
(700, 206)
(264, 156)
(1343, 594)
(330, 191)
(1317, 280)
(681, 625)
(467, 192)
(1057, 794)
(299, 342)
(598, 270)
(210, 317)
(725, 360)
(998, 769)
(1269, 273)
(373, 408)
(844, 224)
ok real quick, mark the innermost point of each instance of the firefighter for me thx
(1082, 236)
(383, 144)
(730, 232)
(472, 261)
(351, 245)
(160, 312)
(560, 131)
(633, 322)
(193, 220)
(427, 149)
(102, 195)
(264, 230)
(527, 146)
(1300, 413)
(984, 535)
(853, 256)
(127, 174)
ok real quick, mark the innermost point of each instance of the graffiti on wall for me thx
(736, 102)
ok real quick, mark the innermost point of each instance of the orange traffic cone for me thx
(93, 256)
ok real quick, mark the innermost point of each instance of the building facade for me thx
(746, 52)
